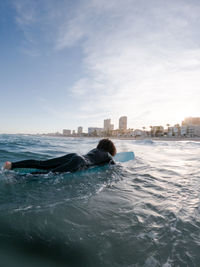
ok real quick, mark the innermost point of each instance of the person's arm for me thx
(111, 160)
(43, 164)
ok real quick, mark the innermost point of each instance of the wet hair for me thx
(107, 145)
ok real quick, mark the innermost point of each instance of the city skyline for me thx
(66, 63)
(190, 127)
(108, 127)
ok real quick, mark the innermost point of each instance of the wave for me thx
(144, 142)
(47, 189)
(145, 204)
(193, 143)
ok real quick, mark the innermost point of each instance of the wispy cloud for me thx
(139, 57)
(26, 12)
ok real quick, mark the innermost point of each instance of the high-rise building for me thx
(108, 126)
(193, 130)
(80, 130)
(191, 121)
(66, 132)
(95, 131)
(123, 123)
(111, 127)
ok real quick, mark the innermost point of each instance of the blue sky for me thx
(66, 63)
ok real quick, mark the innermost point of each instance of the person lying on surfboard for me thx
(102, 154)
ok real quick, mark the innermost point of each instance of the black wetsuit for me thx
(69, 163)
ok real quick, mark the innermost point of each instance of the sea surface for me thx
(145, 212)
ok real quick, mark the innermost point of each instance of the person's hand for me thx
(7, 165)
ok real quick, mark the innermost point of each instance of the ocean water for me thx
(145, 212)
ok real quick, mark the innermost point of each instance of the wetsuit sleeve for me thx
(111, 160)
(45, 164)
(76, 163)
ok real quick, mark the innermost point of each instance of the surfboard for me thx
(124, 156)
(120, 157)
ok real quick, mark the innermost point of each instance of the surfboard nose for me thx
(124, 156)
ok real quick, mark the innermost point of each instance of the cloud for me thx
(39, 21)
(26, 12)
(137, 56)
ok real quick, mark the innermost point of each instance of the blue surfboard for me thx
(124, 156)
(120, 157)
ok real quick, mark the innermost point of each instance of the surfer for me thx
(72, 162)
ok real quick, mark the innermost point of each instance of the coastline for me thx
(139, 138)
(197, 139)
(159, 138)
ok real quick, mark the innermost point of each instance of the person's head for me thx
(107, 145)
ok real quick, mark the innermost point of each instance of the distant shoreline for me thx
(118, 137)
(159, 138)
(138, 138)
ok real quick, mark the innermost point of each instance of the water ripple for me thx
(142, 213)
